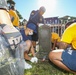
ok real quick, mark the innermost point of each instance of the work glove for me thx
(34, 60)
(11, 35)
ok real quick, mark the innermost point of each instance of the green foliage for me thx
(20, 16)
(10, 2)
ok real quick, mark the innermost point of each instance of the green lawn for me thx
(45, 68)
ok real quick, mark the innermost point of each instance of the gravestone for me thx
(44, 33)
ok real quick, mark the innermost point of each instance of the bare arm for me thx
(55, 41)
(63, 45)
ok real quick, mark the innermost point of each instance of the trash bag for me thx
(10, 64)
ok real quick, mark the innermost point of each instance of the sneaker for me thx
(27, 66)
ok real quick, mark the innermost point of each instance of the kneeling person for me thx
(26, 34)
(66, 58)
(55, 39)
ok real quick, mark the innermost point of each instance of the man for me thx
(64, 57)
(14, 16)
(36, 18)
(26, 34)
(55, 39)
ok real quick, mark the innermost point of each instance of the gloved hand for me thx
(11, 35)
(34, 60)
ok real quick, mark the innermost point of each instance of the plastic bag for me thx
(10, 64)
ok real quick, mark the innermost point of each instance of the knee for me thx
(29, 43)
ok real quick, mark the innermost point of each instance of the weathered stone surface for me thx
(44, 41)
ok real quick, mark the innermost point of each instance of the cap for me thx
(32, 26)
(42, 9)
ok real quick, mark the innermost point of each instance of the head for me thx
(12, 7)
(68, 24)
(42, 10)
(31, 28)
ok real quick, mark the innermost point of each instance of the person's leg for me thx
(32, 50)
(34, 39)
(34, 43)
(28, 46)
(25, 46)
(55, 57)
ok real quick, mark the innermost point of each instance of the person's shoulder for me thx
(10, 10)
(56, 35)
(73, 25)
(34, 11)
(53, 33)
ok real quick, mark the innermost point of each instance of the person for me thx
(26, 34)
(64, 57)
(55, 39)
(36, 18)
(12, 35)
(14, 16)
(68, 24)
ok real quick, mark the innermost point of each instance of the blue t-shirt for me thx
(35, 17)
(25, 37)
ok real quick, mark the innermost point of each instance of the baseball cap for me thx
(42, 8)
(32, 26)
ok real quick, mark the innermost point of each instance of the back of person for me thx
(15, 17)
(71, 37)
(55, 36)
(25, 37)
(35, 17)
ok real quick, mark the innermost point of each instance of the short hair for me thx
(42, 9)
(69, 23)
(12, 7)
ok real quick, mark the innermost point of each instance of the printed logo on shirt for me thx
(70, 52)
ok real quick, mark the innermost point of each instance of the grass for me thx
(45, 68)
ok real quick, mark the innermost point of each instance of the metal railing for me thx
(59, 28)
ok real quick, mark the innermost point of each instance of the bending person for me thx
(65, 57)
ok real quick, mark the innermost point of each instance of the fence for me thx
(58, 29)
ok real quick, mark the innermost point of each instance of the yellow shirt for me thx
(54, 37)
(16, 18)
(69, 35)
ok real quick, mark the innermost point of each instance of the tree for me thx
(11, 2)
(20, 16)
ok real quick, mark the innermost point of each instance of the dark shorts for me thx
(3, 4)
(69, 59)
(35, 37)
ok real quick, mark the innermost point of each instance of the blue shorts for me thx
(69, 59)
